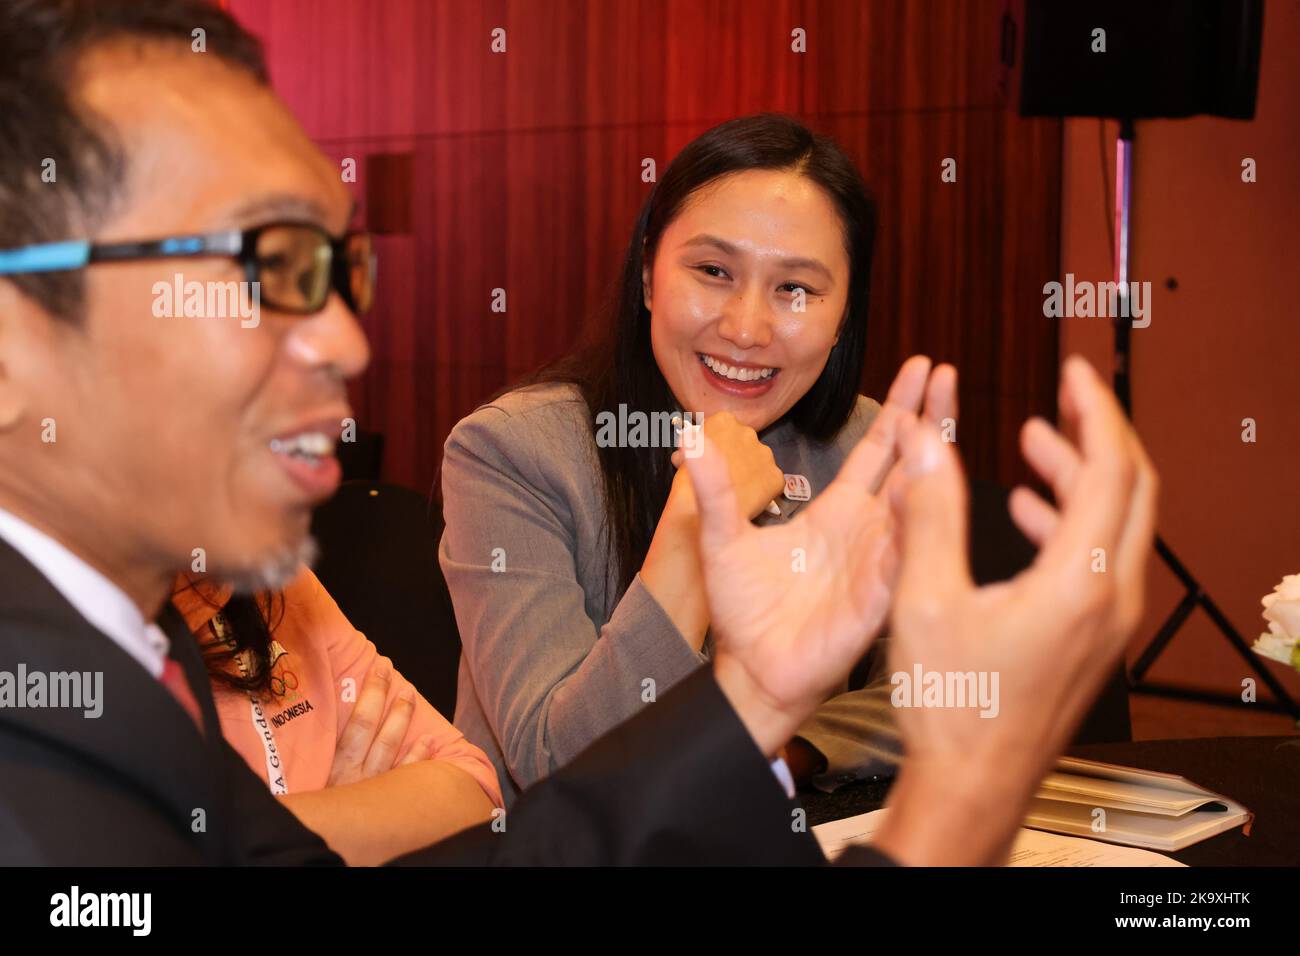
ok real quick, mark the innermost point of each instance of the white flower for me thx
(1282, 611)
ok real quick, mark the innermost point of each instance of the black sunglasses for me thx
(297, 264)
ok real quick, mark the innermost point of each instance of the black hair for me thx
(240, 657)
(619, 368)
(41, 44)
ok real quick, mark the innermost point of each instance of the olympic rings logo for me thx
(283, 683)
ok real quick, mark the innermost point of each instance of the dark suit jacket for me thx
(682, 783)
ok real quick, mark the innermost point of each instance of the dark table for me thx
(1262, 773)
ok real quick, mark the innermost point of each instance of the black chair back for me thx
(999, 551)
(379, 561)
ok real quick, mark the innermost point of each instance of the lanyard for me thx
(261, 726)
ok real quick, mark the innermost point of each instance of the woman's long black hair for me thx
(250, 621)
(620, 369)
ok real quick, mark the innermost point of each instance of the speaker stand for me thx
(1193, 594)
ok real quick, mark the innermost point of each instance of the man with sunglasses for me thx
(132, 447)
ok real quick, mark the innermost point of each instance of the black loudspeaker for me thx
(1162, 58)
(1142, 60)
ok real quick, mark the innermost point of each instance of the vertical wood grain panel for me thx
(526, 176)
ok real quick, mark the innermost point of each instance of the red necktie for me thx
(173, 678)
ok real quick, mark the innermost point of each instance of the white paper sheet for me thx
(1032, 847)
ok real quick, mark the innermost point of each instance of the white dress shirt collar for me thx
(95, 597)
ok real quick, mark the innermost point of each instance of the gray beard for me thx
(274, 572)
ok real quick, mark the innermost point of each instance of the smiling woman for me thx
(752, 313)
(743, 300)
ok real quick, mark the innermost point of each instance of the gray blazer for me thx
(551, 661)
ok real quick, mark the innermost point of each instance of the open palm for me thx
(797, 604)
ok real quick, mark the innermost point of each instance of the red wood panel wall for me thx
(526, 176)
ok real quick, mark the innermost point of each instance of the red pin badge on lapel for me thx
(797, 488)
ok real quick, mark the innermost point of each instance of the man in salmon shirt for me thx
(130, 441)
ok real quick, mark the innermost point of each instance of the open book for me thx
(1031, 847)
(1158, 811)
